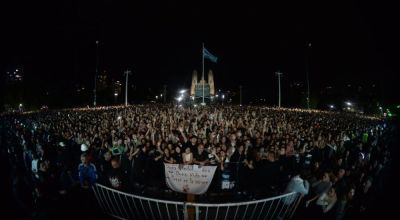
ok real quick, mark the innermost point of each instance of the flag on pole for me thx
(209, 56)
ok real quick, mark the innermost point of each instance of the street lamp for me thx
(127, 73)
(279, 74)
(179, 99)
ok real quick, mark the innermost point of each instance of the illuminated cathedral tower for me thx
(196, 89)
(211, 82)
(194, 83)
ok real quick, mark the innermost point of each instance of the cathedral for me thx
(196, 89)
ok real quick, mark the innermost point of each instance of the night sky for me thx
(352, 42)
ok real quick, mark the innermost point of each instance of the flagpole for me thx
(202, 72)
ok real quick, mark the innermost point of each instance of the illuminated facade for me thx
(196, 89)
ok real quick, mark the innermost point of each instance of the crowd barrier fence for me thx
(121, 205)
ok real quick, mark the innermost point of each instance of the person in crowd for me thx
(87, 172)
(168, 158)
(324, 206)
(187, 156)
(177, 155)
(297, 184)
(345, 203)
(117, 179)
(200, 156)
(320, 187)
(257, 146)
(104, 165)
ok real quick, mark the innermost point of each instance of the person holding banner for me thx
(187, 156)
(201, 156)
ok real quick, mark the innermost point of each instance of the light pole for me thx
(240, 95)
(127, 73)
(165, 94)
(279, 74)
(307, 78)
(202, 74)
(95, 76)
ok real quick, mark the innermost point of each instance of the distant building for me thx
(197, 87)
(102, 81)
(117, 87)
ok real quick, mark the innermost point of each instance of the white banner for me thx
(190, 179)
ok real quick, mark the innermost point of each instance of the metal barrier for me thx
(128, 206)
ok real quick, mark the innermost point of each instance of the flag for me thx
(208, 55)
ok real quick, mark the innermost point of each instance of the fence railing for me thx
(123, 205)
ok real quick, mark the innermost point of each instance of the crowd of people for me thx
(333, 159)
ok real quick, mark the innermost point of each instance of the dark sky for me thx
(352, 42)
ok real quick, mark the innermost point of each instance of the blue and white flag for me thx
(209, 56)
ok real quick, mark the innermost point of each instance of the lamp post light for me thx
(307, 75)
(95, 75)
(240, 95)
(115, 97)
(279, 74)
(127, 73)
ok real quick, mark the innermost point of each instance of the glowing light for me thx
(182, 91)
(119, 118)
(349, 103)
(116, 94)
(331, 106)
(180, 98)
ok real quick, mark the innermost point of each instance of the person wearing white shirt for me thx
(297, 184)
(35, 166)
